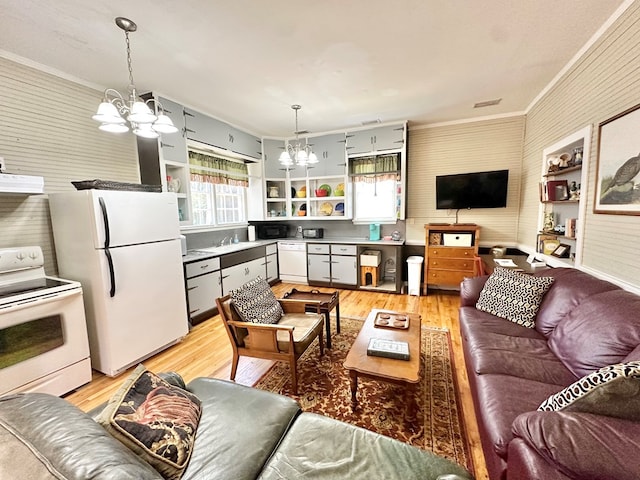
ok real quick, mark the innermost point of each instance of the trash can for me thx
(414, 264)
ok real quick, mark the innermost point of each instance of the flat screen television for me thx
(472, 190)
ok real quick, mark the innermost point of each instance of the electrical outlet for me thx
(2, 165)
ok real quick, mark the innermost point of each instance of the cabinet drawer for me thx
(451, 252)
(444, 263)
(271, 249)
(202, 266)
(344, 249)
(202, 293)
(446, 277)
(317, 248)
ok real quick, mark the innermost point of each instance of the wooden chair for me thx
(285, 341)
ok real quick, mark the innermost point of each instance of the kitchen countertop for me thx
(210, 252)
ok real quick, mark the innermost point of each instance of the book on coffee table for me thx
(379, 347)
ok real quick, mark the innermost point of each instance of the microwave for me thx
(312, 232)
(272, 230)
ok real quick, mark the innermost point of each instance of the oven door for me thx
(39, 337)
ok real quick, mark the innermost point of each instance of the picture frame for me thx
(617, 189)
(562, 251)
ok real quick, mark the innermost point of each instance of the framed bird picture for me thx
(618, 167)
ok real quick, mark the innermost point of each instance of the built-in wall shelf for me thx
(11, 184)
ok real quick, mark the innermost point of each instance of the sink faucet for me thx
(223, 240)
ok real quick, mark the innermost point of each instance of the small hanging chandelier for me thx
(297, 154)
(114, 109)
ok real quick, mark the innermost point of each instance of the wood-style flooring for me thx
(206, 351)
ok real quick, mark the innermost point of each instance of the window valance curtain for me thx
(217, 170)
(374, 169)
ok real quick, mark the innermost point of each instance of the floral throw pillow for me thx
(513, 295)
(154, 419)
(612, 391)
(256, 303)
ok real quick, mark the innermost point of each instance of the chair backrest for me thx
(228, 312)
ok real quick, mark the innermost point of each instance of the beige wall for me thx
(604, 82)
(46, 130)
(461, 148)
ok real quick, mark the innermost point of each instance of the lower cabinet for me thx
(203, 287)
(332, 265)
(271, 263)
(237, 275)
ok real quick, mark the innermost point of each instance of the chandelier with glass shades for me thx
(298, 154)
(115, 109)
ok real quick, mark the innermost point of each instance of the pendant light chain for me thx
(129, 65)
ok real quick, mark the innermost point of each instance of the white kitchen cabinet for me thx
(389, 137)
(173, 146)
(331, 153)
(332, 265)
(243, 143)
(318, 269)
(271, 263)
(272, 149)
(203, 283)
(237, 275)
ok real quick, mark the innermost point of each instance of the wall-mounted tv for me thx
(472, 190)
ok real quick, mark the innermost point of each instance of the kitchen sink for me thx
(221, 250)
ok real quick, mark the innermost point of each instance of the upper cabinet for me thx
(174, 145)
(331, 153)
(390, 137)
(272, 166)
(208, 130)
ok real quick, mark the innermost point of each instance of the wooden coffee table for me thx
(403, 372)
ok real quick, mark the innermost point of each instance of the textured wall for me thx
(602, 83)
(46, 130)
(461, 148)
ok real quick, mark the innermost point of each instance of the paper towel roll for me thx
(252, 233)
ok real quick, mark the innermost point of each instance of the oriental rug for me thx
(323, 387)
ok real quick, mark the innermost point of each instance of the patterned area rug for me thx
(323, 387)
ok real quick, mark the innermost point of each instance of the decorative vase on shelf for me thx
(549, 222)
(274, 192)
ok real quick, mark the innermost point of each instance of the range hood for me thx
(27, 184)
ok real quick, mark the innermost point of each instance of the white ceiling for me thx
(345, 61)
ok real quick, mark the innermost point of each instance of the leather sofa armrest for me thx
(583, 445)
(470, 289)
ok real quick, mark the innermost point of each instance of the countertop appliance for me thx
(292, 262)
(269, 231)
(313, 232)
(124, 248)
(374, 231)
(43, 333)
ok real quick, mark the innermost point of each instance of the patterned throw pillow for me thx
(613, 391)
(154, 419)
(256, 303)
(513, 295)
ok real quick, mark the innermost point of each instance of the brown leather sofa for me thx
(244, 433)
(583, 324)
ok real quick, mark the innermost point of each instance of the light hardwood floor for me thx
(206, 351)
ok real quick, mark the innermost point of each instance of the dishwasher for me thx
(292, 261)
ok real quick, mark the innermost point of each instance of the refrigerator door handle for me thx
(105, 219)
(112, 273)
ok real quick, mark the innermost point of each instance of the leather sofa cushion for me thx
(47, 438)
(524, 462)
(602, 330)
(502, 398)
(570, 287)
(319, 447)
(475, 322)
(238, 430)
(582, 445)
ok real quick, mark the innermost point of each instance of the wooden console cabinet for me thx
(448, 256)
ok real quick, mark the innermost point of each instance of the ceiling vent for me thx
(488, 103)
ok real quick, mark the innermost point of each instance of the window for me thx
(376, 188)
(218, 189)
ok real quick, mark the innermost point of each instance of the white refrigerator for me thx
(124, 248)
